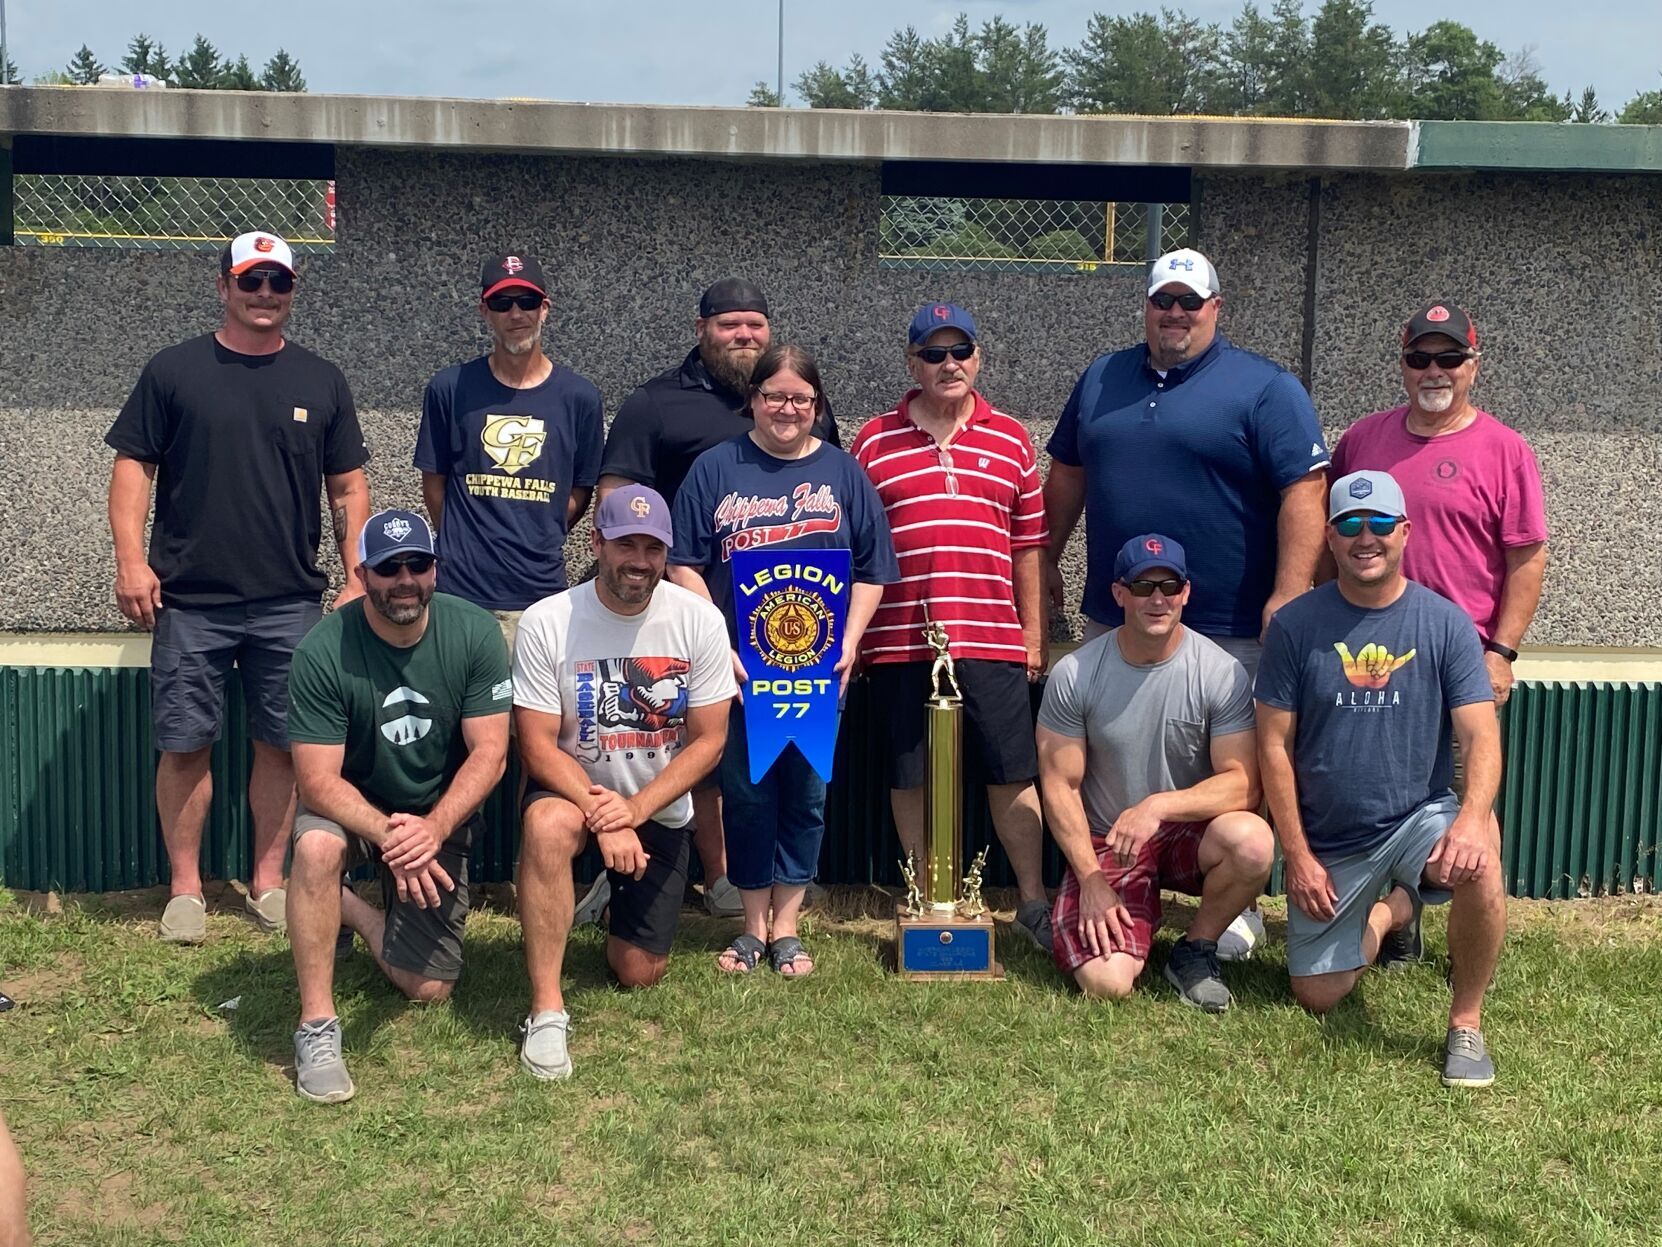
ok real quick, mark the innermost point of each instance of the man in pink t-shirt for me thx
(1472, 485)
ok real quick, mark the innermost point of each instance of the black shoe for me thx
(1193, 969)
(343, 944)
(1404, 947)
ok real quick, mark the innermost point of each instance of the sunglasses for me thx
(1378, 525)
(1171, 587)
(776, 401)
(959, 351)
(416, 565)
(280, 280)
(1448, 361)
(1190, 302)
(529, 301)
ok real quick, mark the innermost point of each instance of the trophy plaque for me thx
(943, 930)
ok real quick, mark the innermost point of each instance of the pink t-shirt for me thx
(1470, 495)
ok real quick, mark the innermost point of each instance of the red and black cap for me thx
(1444, 318)
(504, 272)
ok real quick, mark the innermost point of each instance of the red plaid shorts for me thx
(1170, 859)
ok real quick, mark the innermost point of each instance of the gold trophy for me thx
(943, 930)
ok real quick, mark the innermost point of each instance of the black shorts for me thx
(427, 942)
(644, 912)
(998, 720)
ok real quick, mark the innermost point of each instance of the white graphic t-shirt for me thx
(622, 684)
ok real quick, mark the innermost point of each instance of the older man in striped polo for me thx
(960, 482)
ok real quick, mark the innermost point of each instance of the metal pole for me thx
(779, 82)
(3, 40)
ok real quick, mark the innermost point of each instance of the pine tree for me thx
(85, 68)
(139, 53)
(200, 68)
(239, 77)
(8, 73)
(763, 96)
(282, 73)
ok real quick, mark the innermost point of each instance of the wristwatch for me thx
(1505, 651)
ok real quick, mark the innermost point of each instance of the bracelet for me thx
(1505, 651)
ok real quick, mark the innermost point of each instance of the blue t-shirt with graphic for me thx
(1200, 453)
(510, 458)
(1372, 690)
(739, 497)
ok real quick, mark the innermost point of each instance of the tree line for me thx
(1337, 63)
(203, 67)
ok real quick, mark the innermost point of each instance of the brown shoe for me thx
(184, 921)
(268, 910)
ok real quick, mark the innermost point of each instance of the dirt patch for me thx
(46, 985)
(112, 1206)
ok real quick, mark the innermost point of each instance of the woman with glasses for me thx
(781, 488)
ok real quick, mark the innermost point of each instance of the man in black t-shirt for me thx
(668, 422)
(239, 430)
(509, 451)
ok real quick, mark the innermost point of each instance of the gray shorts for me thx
(1360, 879)
(427, 942)
(192, 653)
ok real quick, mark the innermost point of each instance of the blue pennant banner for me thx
(792, 607)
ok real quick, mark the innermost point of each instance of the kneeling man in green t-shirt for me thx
(398, 713)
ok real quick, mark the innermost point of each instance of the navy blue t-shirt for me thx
(1372, 690)
(1201, 454)
(510, 458)
(738, 496)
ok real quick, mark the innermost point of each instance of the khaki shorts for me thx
(508, 621)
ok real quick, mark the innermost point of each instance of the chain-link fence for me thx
(1024, 235)
(170, 214)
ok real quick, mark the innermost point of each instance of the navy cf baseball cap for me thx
(939, 316)
(1150, 550)
(387, 533)
(632, 509)
(504, 272)
(1366, 493)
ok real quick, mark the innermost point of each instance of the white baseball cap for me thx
(1184, 268)
(253, 249)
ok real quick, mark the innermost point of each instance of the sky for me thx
(675, 52)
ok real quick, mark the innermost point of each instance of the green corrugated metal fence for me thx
(1580, 807)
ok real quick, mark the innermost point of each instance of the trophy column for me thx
(942, 930)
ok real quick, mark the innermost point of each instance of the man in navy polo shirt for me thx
(1188, 435)
(509, 451)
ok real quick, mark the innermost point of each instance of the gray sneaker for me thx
(722, 899)
(594, 902)
(267, 911)
(184, 921)
(1193, 969)
(1242, 936)
(544, 1054)
(1466, 1061)
(319, 1072)
(1405, 947)
(1033, 921)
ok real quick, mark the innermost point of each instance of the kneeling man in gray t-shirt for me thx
(1149, 773)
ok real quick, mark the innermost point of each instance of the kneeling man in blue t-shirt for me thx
(1359, 682)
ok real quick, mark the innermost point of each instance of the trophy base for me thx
(935, 947)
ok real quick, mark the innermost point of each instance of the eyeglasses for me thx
(1190, 302)
(1448, 361)
(1171, 587)
(280, 280)
(529, 301)
(416, 565)
(1378, 525)
(777, 401)
(959, 351)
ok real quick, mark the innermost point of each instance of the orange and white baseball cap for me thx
(253, 249)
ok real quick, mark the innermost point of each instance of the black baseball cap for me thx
(732, 294)
(502, 272)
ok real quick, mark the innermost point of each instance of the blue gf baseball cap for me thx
(1149, 550)
(938, 316)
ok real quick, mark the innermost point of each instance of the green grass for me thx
(847, 1108)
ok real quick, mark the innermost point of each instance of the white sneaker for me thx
(1243, 935)
(544, 1054)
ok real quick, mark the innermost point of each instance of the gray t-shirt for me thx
(1146, 729)
(1372, 690)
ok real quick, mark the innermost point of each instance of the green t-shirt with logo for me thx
(398, 711)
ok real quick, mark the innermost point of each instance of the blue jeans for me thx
(773, 829)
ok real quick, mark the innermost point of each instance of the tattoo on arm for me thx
(338, 515)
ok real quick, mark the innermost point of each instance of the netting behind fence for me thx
(170, 214)
(1016, 235)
